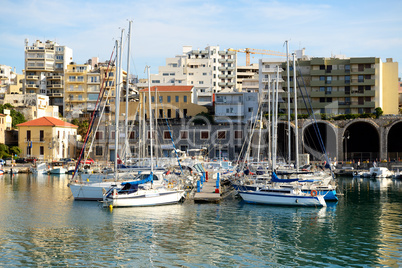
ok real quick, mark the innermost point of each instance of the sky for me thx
(161, 28)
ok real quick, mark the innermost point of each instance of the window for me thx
(347, 79)
(328, 90)
(99, 135)
(41, 135)
(98, 150)
(347, 100)
(250, 109)
(184, 98)
(360, 100)
(132, 135)
(201, 82)
(322, 78)
(329, 80)
(347, 90)
(322, 99)
(169, 113)
(113, 134)
(166, 135)
(161, 113)
(329, 99)
(41, 150)
(204, 135)
(347, 68)
(221, 135)
(360, 78)
(177, 98)
(183, 148)
(160, 99)
(238, 134)
(367, 98)
(28, 135)
(322, 89)
(149, 135)
(185, 113)
(152, 98)
(367, 88)
(184, 134)
(168, 98)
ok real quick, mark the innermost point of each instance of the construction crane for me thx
(249, 51)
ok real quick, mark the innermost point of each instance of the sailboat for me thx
(279, 191)
(94, 190)
(146, 189)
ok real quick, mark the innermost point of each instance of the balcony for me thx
(317, 72)
(32, 77)
(55, 86)
(55, 77)
(317, 83)
(55, 94)
(75, 89)
(34, 86)
(364, 82)
(269, 70)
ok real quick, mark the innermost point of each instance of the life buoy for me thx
(313, 193)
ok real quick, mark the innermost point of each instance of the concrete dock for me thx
(209, 193)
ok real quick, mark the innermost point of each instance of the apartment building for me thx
(209, 70)
(171, 102)
(247, 78)
(44, 69)
(83, 84)
(32, 106)
(236, 107)
(5, 124)
(268, 73)
(341, 85)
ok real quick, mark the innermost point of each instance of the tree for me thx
(17, 117)
(15, 150)
(378, 112)
(4, 151)
(82, 127)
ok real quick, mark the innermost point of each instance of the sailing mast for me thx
(288, 82)
(117, 100)
(296, 124)
(150, 120)
(127, 91)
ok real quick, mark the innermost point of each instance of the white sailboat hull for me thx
(145, 198)
(282, 199)
(91, 191)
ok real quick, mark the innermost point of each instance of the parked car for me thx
(31, 159)
(21, 161)
(66, 160)
(88, 161)
(2, 162)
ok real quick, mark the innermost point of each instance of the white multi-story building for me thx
(268, 68)
(209, 71)
(235, 107)
(44, 69)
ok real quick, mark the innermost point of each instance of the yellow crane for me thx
(249, 51)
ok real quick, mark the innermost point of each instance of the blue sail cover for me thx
(276, 179)
(147, 179)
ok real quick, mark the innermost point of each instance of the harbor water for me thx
(41, 225)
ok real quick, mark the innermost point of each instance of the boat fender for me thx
(297, 201)
(313, 192)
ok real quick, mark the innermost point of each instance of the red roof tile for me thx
(46, 121)
(168, 88)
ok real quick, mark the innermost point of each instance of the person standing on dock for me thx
(358, 164)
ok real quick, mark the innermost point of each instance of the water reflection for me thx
(41, 223)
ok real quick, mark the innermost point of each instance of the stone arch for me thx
(283, 143)
(361, 140)
(393, 141)
(311, 141)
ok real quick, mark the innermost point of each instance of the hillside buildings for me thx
(44, 70)
(340, 85)
(209, 71)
